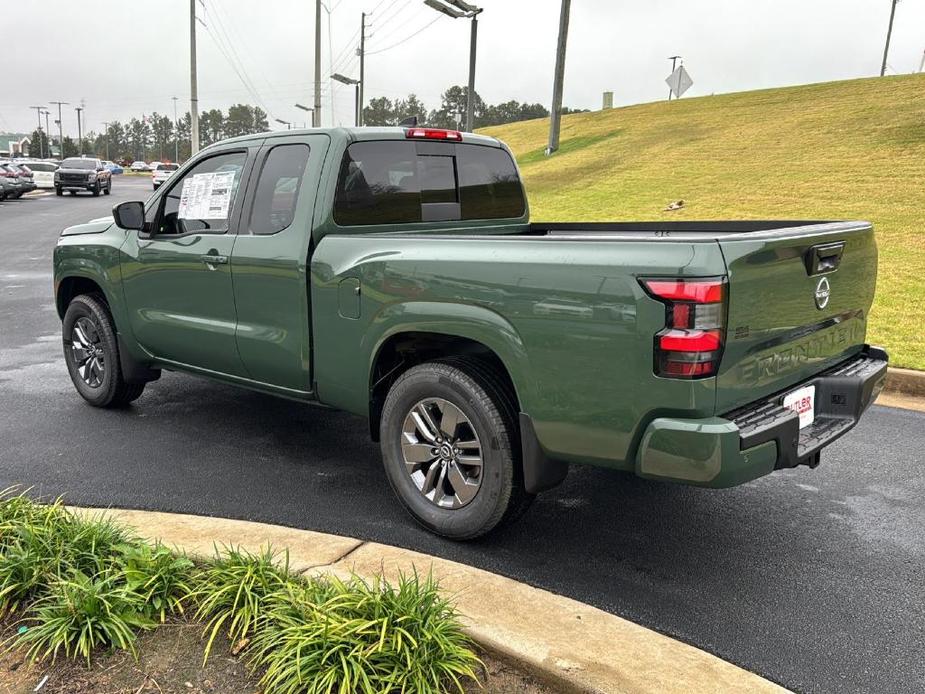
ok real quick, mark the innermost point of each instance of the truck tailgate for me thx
(798, 304)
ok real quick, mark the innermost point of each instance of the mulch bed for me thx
(170, 662)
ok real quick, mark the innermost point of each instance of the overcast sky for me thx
(127, 57)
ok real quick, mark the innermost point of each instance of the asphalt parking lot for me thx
(814, 579)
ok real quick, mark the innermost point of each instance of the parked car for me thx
(22, 174)
(81, 173)
(10, 187)
(113, 167)
(43, 173)
(162, 172)
(403, 281)
(139, 167)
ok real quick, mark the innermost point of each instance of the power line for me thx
(407, 38)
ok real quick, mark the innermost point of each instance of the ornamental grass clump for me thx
(364, 637)
(232, 592)
(80, 613)
(159, 576)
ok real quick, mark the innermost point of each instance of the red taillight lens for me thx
(432, 134)
(691, 344)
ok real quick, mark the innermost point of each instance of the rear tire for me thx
(483, 418)
(91, 352)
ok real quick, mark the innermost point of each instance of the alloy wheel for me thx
(87, 352)
(442, 453)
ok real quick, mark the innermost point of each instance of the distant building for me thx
(608, 100)
(14, 145)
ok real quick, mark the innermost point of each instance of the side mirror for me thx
(130, 215)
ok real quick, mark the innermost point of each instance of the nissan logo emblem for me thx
(822, 293)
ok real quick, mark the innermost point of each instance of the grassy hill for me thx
(838, 150)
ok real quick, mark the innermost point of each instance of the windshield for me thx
(89, 164)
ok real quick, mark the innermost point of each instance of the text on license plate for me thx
(803, 402)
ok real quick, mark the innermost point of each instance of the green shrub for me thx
(233, 591)
(365, 638)
(80, 613)
(160, 577)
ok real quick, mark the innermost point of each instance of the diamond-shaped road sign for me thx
(679, 81)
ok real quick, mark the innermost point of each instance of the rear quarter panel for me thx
(568, 319)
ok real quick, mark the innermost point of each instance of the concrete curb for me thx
(905, 382)
(572, 646)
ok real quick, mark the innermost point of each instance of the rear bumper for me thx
(763, 436)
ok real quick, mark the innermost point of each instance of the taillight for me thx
(691, 344)
(432, 134)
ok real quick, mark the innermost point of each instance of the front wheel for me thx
(91, 353)
(96, 190)
(58, 191)
(108, 189)
(451, 449)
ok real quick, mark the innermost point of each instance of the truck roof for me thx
(358, 134)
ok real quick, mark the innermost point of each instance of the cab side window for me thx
(278, 189)
(202, 201)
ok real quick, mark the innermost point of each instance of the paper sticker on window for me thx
(206, 196)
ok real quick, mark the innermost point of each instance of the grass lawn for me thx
(838, 150)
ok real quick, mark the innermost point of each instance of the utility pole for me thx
(106, 125)
(889, 33)
(193, 90)
(60, 127)
(316, 113)
(47, 132)
(80, 140)
(555, 114)
(176, 133)
(38, 112)
(922, 64)
(362, 53)
(674, 64)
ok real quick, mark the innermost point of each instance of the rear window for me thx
(168, 167)
(42, 166)
(391, 182)
(90, 164)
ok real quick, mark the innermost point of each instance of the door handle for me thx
(214, 259)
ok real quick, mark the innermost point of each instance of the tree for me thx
(412, 106)
(162, 132)
(379, 111)
(452, 111)
(139, 135)
(184, 126)
(38, 144)
(211, 126)
(261, 124)
(68, 148)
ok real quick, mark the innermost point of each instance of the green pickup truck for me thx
(394, 273)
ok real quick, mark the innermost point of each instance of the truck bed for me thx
(690, 231)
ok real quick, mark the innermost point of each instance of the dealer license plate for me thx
(803, 402)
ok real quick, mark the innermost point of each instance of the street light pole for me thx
(106, 125)
(38, 112)
(176, 133)
(889, 33)
(555, 113)
(193, 89)
(46, 113)
(284, 122)
(356, 104)
(80, 138)
(316, 113)
(362, 54)
(457, 9)
(60, 128)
